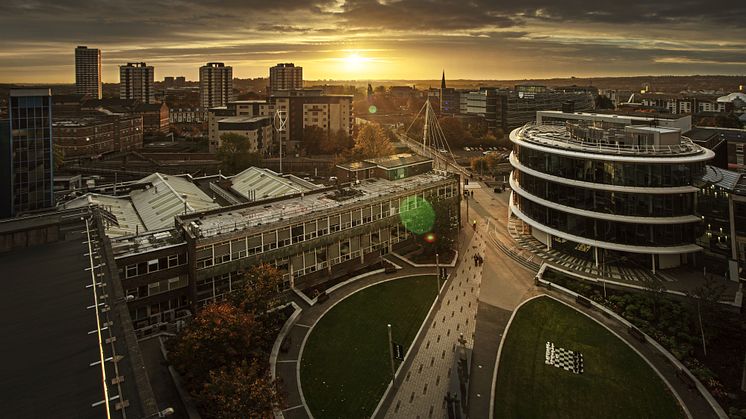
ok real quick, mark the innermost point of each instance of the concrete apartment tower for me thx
(136, 82)
(26, 158)
(285, 77)
(215, 85)
(88, 71)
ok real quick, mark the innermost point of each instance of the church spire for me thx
(443, 80)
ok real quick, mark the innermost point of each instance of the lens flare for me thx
(417, 215)
(372, 109)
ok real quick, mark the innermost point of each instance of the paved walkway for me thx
(432, 372)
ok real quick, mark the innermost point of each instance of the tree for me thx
(242, 391)
(454, 132)
(235, 153)
(313, 137)
(603, 102)
(479, 165)
(257, 293)
(336, 142)
(219, 335)
(372, 141)
(706, 295)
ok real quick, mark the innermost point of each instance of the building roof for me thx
(166, 198)
(729, 180)
(397, 160)
(356, 165)
(50, 359)
(242, 119)
(733, 96)
(258, 216)
(256, 183)
(122, 208)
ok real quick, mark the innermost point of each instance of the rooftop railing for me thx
(557, 135)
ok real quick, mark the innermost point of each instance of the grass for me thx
(345, 367)
(617, 383)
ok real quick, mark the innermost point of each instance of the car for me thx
(467, 149)
(333, 179)
(443, 150)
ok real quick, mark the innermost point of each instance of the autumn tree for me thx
(258, 291)
(454, 132)
(336, 142)
(372, 141)
(219, 335)
(313, 137)
(241, 391)
(235, 153)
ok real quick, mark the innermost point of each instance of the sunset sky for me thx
(369, 39)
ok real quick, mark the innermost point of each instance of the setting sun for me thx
(355, 62)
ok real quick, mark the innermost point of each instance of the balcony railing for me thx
(556, 135)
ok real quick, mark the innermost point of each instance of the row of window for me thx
(214, 254)
(609, 231)
(610, 172)
(154, 265)
(158, 287)
(630, 204)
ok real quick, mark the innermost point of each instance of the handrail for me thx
(551, 135)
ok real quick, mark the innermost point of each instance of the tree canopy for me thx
(223, 352)
(235, 153)
(372, 141)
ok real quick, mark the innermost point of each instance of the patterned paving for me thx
(615, 272)
(433, 370)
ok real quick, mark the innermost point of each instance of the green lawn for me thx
(617, 383)
(345, 366)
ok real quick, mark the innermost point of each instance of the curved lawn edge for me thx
(666, 389)
(431, 302)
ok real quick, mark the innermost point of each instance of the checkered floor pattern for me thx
(564, 358)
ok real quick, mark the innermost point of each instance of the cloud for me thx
(508, 38)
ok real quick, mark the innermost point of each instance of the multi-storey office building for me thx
(88, 71)
(623, 193)
(285, 76)
(721, 202)
(312, 235)
(311, 238)
(26, 157)
(136, 81)
(509, 109)
(215, 85)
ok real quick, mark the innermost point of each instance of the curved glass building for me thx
(615, 190)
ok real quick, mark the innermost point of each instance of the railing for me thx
(299, 214)
(556, 135)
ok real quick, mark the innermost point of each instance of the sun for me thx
(355, 61)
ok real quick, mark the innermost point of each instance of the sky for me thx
(377, 39)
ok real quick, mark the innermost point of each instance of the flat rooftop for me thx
(232, 219)
(47, 349)
(558, 136)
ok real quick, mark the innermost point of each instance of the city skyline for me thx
(362, 39)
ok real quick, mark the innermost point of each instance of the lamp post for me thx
(437, 274)
(391, 356)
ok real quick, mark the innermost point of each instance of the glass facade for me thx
(607, 202)
(610, 172)
(31, 151)
(633, 234)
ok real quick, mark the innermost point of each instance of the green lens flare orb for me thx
(417, 215)
(372, 109)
